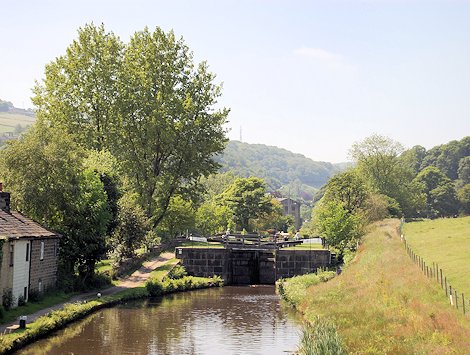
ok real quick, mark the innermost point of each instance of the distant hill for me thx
(290, 173)
(13, 121)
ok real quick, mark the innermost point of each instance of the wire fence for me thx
(434, 272)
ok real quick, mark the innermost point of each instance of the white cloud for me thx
(317, 53)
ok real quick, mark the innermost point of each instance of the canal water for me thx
(228, 320)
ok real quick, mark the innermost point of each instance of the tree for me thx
(169, 130)
(179, 218)
(145, 102)
(44, 171)
(376, 158)
(348, 188)
(339, 228)
(378, 162)
(275, 219)
(464, 170)
(132, 227)
(247, 199)
(440, 193)
(464, 198)
(212, 217)
(79, 91)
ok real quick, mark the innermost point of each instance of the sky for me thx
(312, 77)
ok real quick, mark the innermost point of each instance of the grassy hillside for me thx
(383, 304)
(279, 167)
(8, 121)
(447, 243)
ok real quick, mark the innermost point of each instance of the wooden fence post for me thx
(463, 303)
(442, 284)
(456, 299)
(445, 281)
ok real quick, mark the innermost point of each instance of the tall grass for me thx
(294, 289)
(321, 338)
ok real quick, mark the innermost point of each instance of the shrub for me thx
(178, 272)
(99, 281)
(21, 300)
(155, 287)
(319, 338)
(2, 312)
(7, 299)
(34, 296)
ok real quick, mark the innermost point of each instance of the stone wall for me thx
(44, 270)
(298, 262)
(204, 262)
(251, 266)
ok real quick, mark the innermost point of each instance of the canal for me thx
(228, 320)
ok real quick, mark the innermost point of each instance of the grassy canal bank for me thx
(382, 303)
(71, 312)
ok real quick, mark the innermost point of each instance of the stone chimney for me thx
(4, 200)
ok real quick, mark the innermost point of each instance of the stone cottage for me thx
(29, 253)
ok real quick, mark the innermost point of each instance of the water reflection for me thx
(229, 320)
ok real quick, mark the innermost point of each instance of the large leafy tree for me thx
(146, 102)
(377, 159)
(247, 199)
(168, 127)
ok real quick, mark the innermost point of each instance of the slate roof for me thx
(15, 225)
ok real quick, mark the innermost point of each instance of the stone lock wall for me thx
(251, 266)
(204, 262)
(298, 262)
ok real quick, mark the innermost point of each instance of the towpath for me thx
(138, 278)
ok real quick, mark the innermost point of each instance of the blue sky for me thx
(309, 76)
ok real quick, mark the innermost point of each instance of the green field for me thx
(8, 121)
(447, 243)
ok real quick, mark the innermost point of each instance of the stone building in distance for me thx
(291, 207)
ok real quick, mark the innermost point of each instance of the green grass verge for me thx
(447, 243)
(383, 304)
(47, 301)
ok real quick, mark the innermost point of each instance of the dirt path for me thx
(138, 278)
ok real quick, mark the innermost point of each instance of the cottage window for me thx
(41, 254)
(12, 252)
(27, 251)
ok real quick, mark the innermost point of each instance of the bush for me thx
(321, 338)
(2, 312)
(21, 300)
(178, 272)
(7, 299)
(35, 296)
(99, 281)
(155, 287)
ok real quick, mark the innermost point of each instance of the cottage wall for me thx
(20, 270)
(6, 271)
(44, 271)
